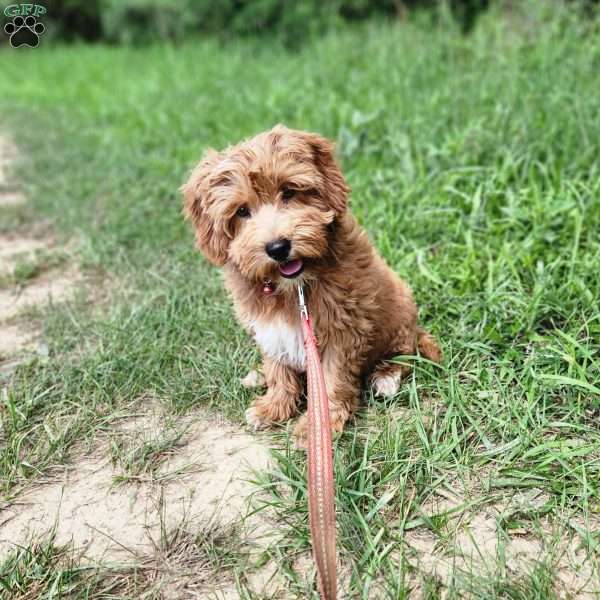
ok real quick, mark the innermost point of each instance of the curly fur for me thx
(362, 312)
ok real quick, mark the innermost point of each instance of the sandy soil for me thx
(114, 522)
(473, 540)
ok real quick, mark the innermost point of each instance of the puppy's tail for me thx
(428, 346)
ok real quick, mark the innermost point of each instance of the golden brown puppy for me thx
(272, 211)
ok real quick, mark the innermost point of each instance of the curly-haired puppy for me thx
(272, 211)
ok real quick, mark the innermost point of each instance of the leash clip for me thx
(302, 302)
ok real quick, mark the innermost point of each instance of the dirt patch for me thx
(206, 479)
(473, 540)
(108, 521)
(52, 287)
(15, 248)
(14, 339)
(11, 199)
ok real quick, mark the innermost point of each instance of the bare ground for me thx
(106, 520)
(472, 540)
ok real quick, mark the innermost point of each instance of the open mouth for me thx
(291, 268)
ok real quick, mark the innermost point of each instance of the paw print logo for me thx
(24, 31)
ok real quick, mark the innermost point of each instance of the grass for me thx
(474, 167)
(30, 571)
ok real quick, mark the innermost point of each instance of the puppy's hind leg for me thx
(386, 377)
(428, 346)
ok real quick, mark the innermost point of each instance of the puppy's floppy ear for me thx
(336, 188)
(196, 197)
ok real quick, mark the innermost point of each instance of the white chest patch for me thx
(281, 342)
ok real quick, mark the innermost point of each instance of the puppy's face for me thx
(265, 206)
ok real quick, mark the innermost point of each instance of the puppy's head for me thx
(265, 206)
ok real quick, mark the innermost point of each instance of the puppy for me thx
(272, 211)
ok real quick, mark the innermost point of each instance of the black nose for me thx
(279, 249)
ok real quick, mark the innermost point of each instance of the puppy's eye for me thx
(243, 212)
(287, 194)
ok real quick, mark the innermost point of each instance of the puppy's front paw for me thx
(255, 421)
(337, 419)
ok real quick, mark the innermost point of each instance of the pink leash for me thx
(321, 495)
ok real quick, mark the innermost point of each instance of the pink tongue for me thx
(291, 267)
